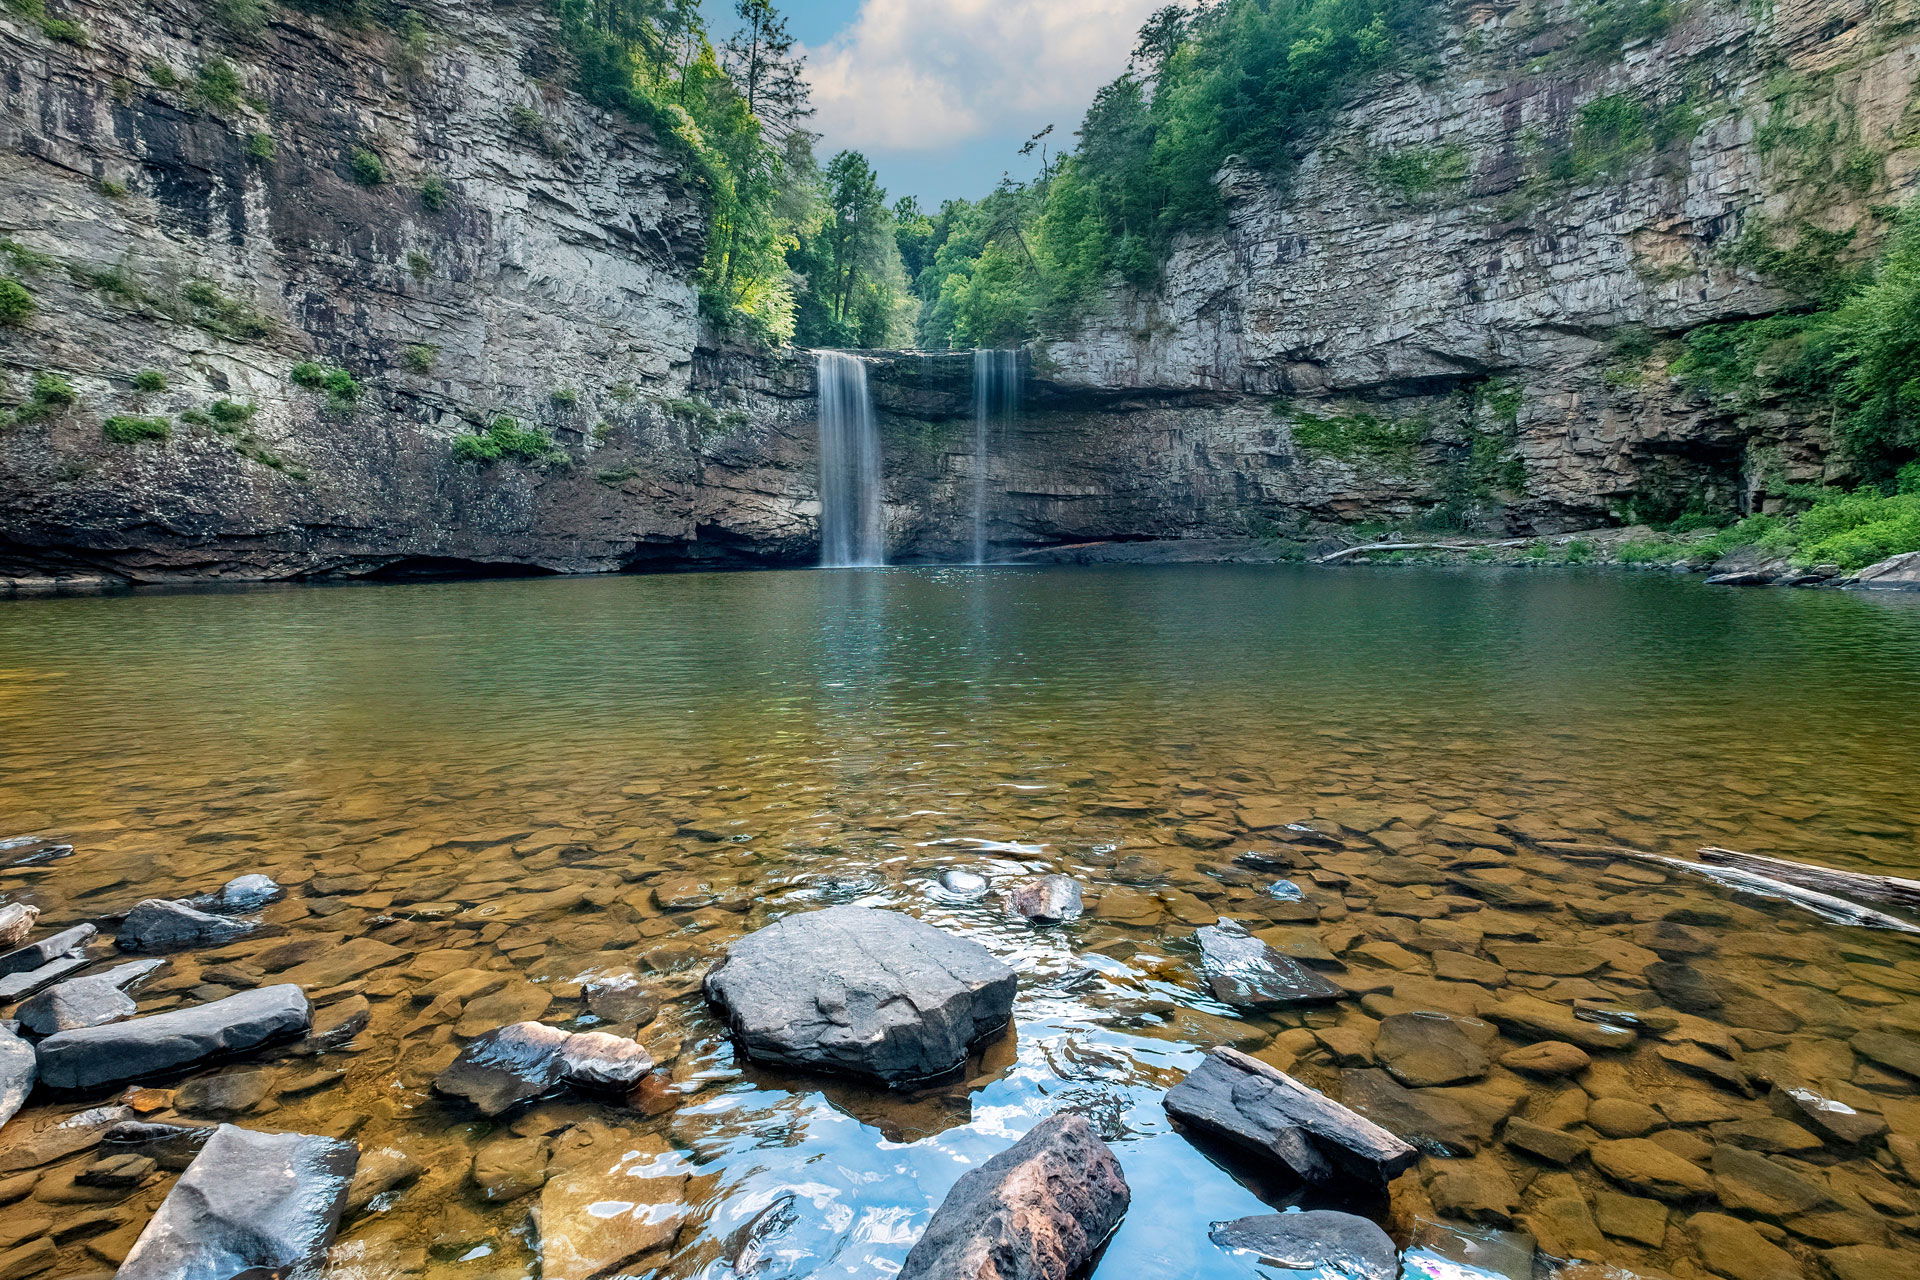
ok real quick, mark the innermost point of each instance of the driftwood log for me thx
(1852, 884)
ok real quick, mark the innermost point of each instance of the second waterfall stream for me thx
(996, 399)
(852, 525)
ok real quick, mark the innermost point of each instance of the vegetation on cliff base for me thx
(505, 438)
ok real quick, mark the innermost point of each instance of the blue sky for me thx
(940, 94)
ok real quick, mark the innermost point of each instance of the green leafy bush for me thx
(16, 302)
(434, 194)
(112, 188)
(421, 357)
(506, 439)
(339, 386)
(366, 167)
(261, 148)
(125, 429)
(149, 380)
(232, 412)
(52, 389)
(218, 84)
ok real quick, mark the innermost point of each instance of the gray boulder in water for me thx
(1243, 971)
(862, 992)
(516, 1063)
(1267, 1111)
(92, 1001)
(1320, 1241)
(1049, 900)
(121, 1051)
(1037, 1211)
(16, 1073)
(964, 884)
(250, 1204)
(160, 924)
(243, 893)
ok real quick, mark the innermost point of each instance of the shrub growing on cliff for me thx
(261, 149)
(337, 384)
(149, 380)
(217, 84)
(366, 167)
(16, 302)
(228, 317)
(434, 195)
(126, 429)
(506, 439)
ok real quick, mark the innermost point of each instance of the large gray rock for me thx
(1901, 573)
(1320, 1241)
(860, 991)
(17, 1069)
(251, 1206)
(161, 924)
(91, 1001)
(1243, 971)
(241, 894)
(1267, 1111)
(120, 1051)
(500, 1069)
(1037, 1211)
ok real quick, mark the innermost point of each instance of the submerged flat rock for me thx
(120, 1051)
(1319, 1240)
(502, 1068)
(1243, 971)
(250, 1205)
(1037, 1211)
(861, 992)
(161, 924)
(1267, 1111)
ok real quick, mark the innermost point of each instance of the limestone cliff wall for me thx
(433, 215)
(1501, 259)
(1460, 307)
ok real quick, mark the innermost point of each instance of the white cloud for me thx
(910, 75)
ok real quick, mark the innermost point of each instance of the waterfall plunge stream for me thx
(996, 400)
(851, 529)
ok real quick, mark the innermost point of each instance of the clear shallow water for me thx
(543, 780)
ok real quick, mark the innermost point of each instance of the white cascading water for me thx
(996, 400)
(852, 532)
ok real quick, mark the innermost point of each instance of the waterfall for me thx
(851, 533)
(996, 400)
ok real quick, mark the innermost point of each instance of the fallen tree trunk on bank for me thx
(1344, 552)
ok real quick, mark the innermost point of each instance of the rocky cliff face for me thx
(1465, 301)
(1462, 307)
(428, 214)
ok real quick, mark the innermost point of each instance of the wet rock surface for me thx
(249, 1204)
(1048, 900)
(93, 1056)
(86, 1002)
(859, 991)
(503, 1068)
(1243, 971)
(157, 925)
(1308, 1135)
(1037, 1211)
(1342, 1243)
(17, 1071)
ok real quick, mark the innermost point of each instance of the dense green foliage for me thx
(851, 261)
(16, 301)
(1854, 350)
